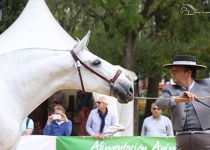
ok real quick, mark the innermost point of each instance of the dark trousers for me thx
(193, 141)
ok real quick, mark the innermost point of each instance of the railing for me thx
(89, 143)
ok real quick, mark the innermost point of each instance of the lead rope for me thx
(154, 98)
(167, 98)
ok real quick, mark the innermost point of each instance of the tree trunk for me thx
(152, 91)
(136, 108)
(130, 42)
(128, 63)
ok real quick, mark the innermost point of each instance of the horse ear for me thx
(83, 43)
(77, 39)
(86, 38)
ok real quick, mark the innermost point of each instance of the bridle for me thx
(78, 63)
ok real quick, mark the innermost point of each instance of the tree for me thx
(11, 9)
(146, 34)
(139, 35)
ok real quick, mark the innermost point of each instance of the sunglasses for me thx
(155, 108)
(98, 102)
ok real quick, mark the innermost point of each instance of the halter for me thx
(78, 63)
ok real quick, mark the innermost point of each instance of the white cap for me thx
(101, 98)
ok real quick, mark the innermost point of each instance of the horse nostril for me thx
(130, 91)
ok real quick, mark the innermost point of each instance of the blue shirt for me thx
(94, 122)
(55, 129)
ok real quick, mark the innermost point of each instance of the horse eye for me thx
(96, 62)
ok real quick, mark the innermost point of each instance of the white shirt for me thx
(157, 127)
(30, 124)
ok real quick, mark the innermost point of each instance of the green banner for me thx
(116, 143)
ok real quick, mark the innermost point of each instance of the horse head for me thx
(99, 75)
(45, 71)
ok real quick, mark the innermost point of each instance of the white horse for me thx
(30, 76)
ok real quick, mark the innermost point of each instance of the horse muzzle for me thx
(124, 92)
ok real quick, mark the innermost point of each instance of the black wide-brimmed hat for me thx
(184, 60)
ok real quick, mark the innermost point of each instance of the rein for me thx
(78, 63)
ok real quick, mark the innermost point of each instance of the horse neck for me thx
(36, 74)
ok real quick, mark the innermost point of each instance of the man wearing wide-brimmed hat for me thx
(189, 103)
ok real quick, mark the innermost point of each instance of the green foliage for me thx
(107, 48)
(171, 33)
(151, 55)
(149, 32)
(160, 30)
(10, 11)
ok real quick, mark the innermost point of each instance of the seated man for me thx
(100, 119)
(58, 124)
(27, 126)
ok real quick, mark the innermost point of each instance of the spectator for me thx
(27, 126)
(58, 124)
(157, 124)
(100, 119)
(50, 109)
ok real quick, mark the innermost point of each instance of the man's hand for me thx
(63, 117)
(99, 136)
(187, 96)
(28, 132)
(49, 120)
